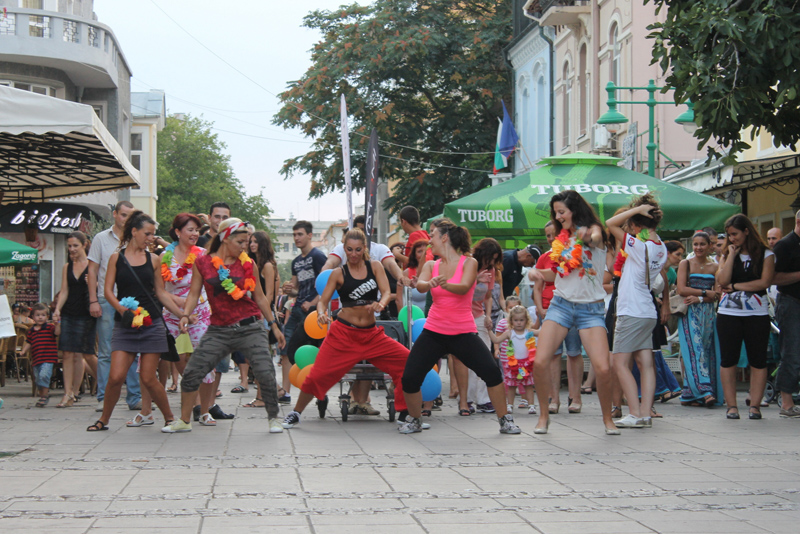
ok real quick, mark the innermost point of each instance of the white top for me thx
(584, 284)
(518, 342)
(377, 252)
(103, 246)
(745, 303)
(633, 296)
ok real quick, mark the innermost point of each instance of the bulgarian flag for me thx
(507, 140)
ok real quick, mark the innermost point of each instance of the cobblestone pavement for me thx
(694, 471)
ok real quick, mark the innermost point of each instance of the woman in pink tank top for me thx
(450, 327)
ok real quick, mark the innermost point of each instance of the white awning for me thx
(51, 148)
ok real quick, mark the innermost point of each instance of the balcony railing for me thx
(558, 12)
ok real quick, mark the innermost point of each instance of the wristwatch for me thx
(703, 293)
(270, 323)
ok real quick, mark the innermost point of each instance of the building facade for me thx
(149, 112)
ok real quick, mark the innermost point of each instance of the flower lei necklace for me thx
(622, 256)
(141, 317)
(566, 257)
(224, 276)
(183, 270)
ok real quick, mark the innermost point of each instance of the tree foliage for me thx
(427, 74)
(737, 61)
(194, 172)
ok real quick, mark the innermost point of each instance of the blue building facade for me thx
(530, 54)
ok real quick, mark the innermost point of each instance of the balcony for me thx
(558, 12)
(84, 49)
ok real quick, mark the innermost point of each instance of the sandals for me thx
(464, 412)
(207, 420)
(732, 413)
(694, 403)
(254, 404)
(586, 390)
(654, 414)
(66, 402)
(709, 401)
(97, 426)
(42, 402)
(239, 389)
(141, 420)
(173, 388)
(426, 413)
(666, 397)
(616, 412)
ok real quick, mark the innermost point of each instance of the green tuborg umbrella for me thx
(12, 253)
(517, 210)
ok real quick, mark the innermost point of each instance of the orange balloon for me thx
(301, 376)
(313, 329)
(435, 368)
(293, 372)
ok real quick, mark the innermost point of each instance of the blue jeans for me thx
(296, 318)
(105, 328)
(42, 374)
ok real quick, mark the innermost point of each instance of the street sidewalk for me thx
(694, 471)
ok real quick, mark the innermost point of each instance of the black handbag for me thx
(172, 352)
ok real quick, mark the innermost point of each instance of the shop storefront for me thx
(43, 227)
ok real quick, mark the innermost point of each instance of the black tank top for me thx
(355, 292)
(77, 303)
(746, 273)
(127, 286)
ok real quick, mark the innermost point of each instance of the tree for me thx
(737, 62)
(194, 172)
(427, 74)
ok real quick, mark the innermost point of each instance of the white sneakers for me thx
(275, 426)
(630, 421)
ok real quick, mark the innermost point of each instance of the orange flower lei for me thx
(183, 270)
(566, 257)
(227, 284)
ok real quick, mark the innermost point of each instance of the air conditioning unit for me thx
(601, 139)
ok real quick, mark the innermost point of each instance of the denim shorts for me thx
(43, 373)
(579, 315)
(573, 343)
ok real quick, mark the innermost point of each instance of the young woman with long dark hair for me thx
(138, 328)
(745, 273)
(579, 254)
(450, 326)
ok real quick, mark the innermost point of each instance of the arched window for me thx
(567, 109)
(583, 97)
(525, 122)
(615, 49)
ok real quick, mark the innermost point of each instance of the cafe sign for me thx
(49, 217)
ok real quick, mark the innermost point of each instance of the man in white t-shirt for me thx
(377, 252)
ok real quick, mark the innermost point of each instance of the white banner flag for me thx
(346, 163)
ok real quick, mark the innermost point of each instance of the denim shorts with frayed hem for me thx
(579, 315)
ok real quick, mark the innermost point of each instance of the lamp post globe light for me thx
(613, 119)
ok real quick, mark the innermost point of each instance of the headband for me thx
(230, 230)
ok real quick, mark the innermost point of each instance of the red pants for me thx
(345, 346)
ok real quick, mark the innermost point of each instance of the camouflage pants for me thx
(219, 341)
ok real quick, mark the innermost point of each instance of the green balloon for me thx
(416, 313)
(305, 355)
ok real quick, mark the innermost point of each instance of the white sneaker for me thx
(275, 426)
(629, 421)
(532, 410)
(424, 426)
(510, 408)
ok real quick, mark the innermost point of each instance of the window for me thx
(39, 26)
(99, 108)
(70, 31)
(615, 50)
(136, 141)
(136, 161)
(583, 96)
(8, 24)
(136, 152)
(32, 87)
(543, 117)
(567, 111)
(286, 247)
(33, 4)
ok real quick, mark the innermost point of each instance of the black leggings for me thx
(468, 348)
(753, 330)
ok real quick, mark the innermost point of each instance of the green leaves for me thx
(194, 172)
(427, 74)
(737, 61)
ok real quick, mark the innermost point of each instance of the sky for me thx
(261, 38)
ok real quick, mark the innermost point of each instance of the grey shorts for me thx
(633, 333)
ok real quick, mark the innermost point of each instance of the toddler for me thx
(41, 342)
(517, 352)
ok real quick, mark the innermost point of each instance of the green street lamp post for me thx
(613, 119)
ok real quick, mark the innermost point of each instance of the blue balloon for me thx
(322, 281)
(431, 386)
(416, 330)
